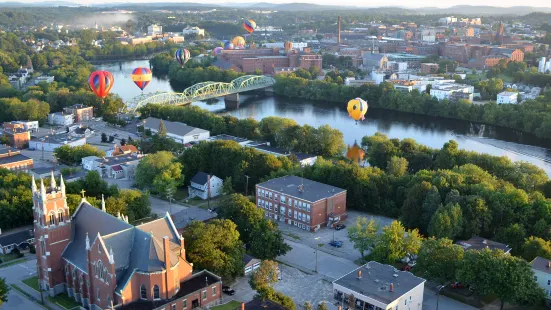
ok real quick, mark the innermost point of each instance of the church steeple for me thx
(33, 185)
(42, 191)
(102, 203)
(62, 184)
(53, 185)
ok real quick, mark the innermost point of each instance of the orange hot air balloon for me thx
(238, 41)
(355, 153)
(101, 83)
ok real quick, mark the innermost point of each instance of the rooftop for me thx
(7, 149)
(174, 128)
(259, 304)
(228, 138)
(507, 93)
(13, 159)
(375, 281)
(479, 243)
(17, 237)
(311, 190)
(61, 138)
(538, 263)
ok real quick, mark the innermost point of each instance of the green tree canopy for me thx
(363, 234)
(438, 260)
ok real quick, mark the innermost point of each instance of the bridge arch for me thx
(200, 91)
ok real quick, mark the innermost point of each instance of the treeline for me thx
(193, 73)
(281, 132)
(533, 116)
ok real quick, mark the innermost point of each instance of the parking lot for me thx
(325, 235)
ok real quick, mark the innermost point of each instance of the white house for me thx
(50, 143)
(154, 30)
(542, 274)
(58, 118)
(193, 30)
(378, 77)
(178, 132)
(507, 97)
(447, 90)
(378, 286)
(89, 163)
(29, 125)
(199, 186)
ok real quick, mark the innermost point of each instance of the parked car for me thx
(457, 285)
(336, 243)
(340, 226)
(406, 268)
(228, 290)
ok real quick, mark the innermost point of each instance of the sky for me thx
(361, 3)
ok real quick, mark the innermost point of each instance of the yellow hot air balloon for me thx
(355, 153)
(238, 41)
(357, 109)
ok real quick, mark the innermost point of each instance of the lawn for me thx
(32, 283)
(64, 301)
(232, 305)
(6, 258)
(13, 262)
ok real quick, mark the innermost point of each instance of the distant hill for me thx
(484, 10)
(38, 4)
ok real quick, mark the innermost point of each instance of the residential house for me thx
(507, 97)
(303, 203)
(378, 286)
(80, 112)
(479, 243)
(250, 264)
(542, 274)
(118, 167)
(17, 240)
(118, 150)
(199, 186)
(61, 119)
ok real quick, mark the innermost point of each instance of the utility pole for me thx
(316, 261)
(169, 195)
(208, 192)
(247, 185)
(39, 286)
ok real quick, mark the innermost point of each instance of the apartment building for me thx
(303, 203)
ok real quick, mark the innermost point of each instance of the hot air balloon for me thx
(228, 45)
(355, 153)
(216, 50)
(101, 83)
(182, 56)
(238, 41)
(141, 77)
(357, 109)
(249, 25)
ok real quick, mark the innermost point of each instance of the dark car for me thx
(340, 226)
(336, 243)
(228, 290)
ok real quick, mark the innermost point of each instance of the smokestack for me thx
(242, 306)
(359, 274)
(391, 288)
(339, 32)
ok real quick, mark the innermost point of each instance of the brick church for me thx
(105, 263)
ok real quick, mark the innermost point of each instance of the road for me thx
(13, 275)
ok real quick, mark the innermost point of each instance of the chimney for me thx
(242, 306)
(359, 274)
(391, 288)
(339, 308)
(339, 32)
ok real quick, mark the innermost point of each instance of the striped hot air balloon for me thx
(182, 56)
(101, 83)
(141, 77)
(249, 25)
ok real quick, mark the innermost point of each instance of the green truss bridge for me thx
(203, 91)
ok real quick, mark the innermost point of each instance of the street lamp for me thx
(440, 287)
(317, 238)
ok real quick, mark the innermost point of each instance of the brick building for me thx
(17, 134)
(12, 159)
(103, 262)
(80, 111)
(304, 203)
(429, 68)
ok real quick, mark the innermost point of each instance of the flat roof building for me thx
(12, 159)
(303, 203)
(479, 243)
(177, 131)
(378, 286)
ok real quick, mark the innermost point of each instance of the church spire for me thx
(87, 242)
(53, 185)
(42, 191)
(33, 185)
(102, 203)
(111, 256)
(62, 184)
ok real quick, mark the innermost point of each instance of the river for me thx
(426, 130)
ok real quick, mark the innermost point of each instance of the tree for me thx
(159, 171)
(111, 139)
(322, 306)
(123, 142)
(363, 234)
(447, 222)
(534, 247)
(265, 275)
(227, 186)
(74, 154)
(307, 306)
(438, 260)
(103, 137)
(510, 278)
(162, 129)
(397, 166)
(4, 290)
(395, 242)
(260, 235)
(215, 246)
(514, 236)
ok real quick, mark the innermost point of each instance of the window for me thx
(282, 199)
(173, 306)
(275, 208)
(60, 216)
(270, 195)
(282, 210)
(195, 137)
(308, 207)
(308, 218)
(43, 247)
(185, 304)
(205, 294)
(290, 213)
(156, 293)
(99, 269)
(99, 248)
(52, 219)
(296, 214)
(214, 291)
(548, 282)
(143, 292)
(405, 301)
(97, 294)
(266, 195)
(258, 193)
(535, 278)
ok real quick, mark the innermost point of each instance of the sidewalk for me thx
(35, 296)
